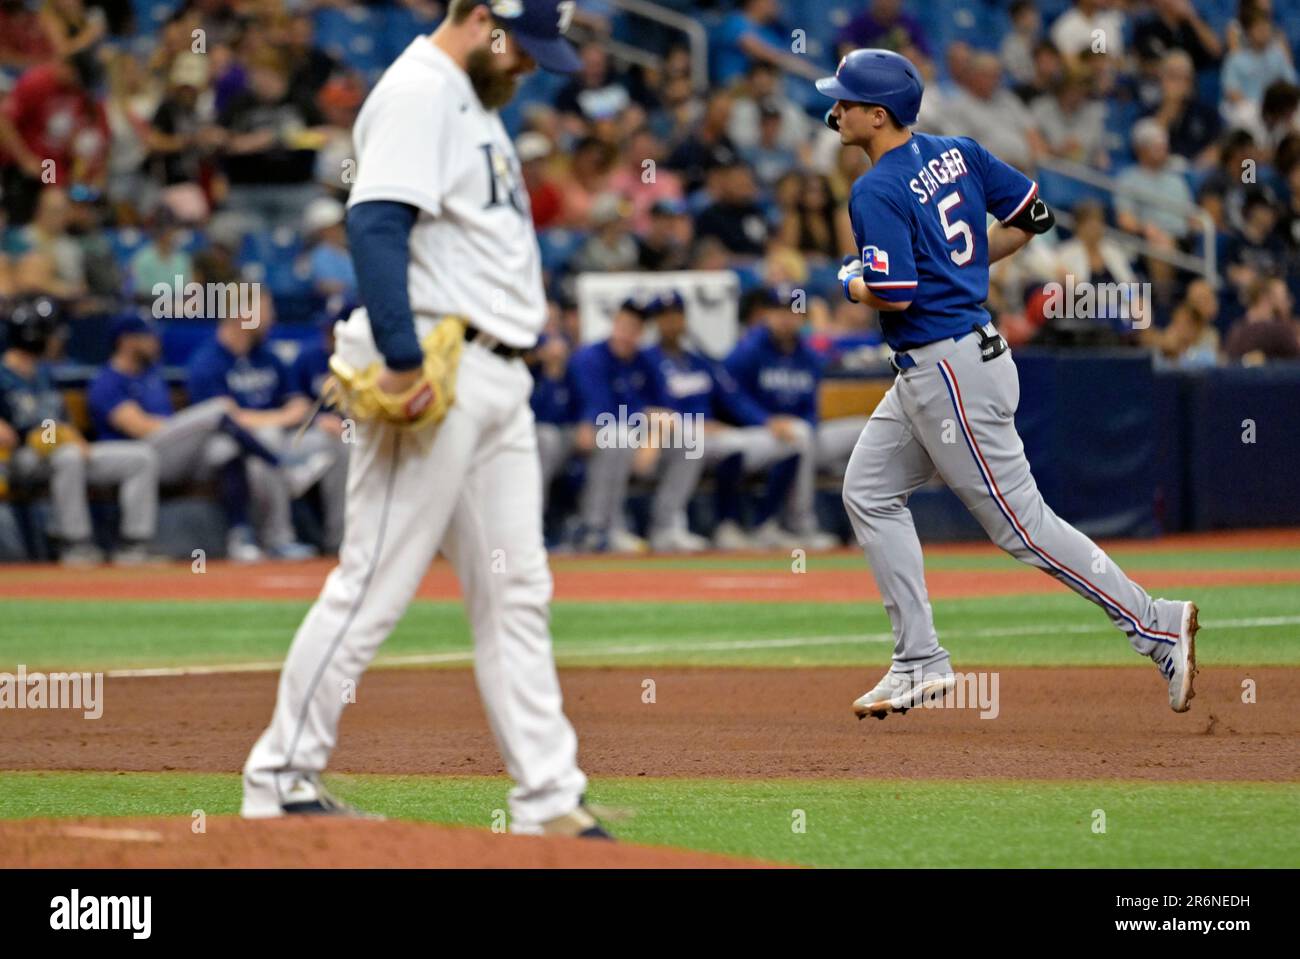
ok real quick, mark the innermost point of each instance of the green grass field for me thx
(988, 822)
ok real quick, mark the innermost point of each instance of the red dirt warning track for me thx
(231, 843)
(737, 723)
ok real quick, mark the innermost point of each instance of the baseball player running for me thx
(919, 218)
(441, 234)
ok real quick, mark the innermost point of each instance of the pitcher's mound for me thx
(232, 843)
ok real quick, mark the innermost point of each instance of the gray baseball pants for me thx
(953, 414)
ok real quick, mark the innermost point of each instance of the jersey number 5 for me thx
(953, 229)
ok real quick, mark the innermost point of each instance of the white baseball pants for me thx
(472, 489)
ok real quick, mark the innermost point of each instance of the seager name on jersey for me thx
(944, 169)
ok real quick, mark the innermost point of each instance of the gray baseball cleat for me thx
(1177, 663)
(899, 692)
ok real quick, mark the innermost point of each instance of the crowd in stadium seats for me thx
(180, 142)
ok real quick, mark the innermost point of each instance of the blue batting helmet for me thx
(879, 77)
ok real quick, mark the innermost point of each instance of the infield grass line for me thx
(564, 653)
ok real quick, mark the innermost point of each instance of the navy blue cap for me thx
(665, 302)
(539, 27)
(129, 324)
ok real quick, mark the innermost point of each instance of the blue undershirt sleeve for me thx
(379, 233)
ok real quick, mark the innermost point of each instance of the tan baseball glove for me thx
(356, 393)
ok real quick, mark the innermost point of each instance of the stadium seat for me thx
(354, 35)
(401, 25)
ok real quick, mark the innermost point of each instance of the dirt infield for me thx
(231, 843)
(1078, 723)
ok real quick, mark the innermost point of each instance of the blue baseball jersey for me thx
(777, 381)
(111, 388)
(603, 382)
(26, 404)
(258, 381)
(554, 400)
(695, 385)
(919, 219)
(309, 370)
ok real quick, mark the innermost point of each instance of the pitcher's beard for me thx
(494, 87)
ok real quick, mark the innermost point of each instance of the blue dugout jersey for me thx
(111, 388)
(919, 219)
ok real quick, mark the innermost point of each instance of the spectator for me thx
(545, 196)
(180, 136)
(1259, 248)
(666, 245)
(767, 157)
(1090, 25)
(707, 144)
(885, 24)
(270, 149)
(987, 110)
(1190, 341)
(611, 246)
(72, 31)
(1289, 227)
(1049, 67)
(308, 66)
(1278, 113)
(1261, 58)
(1191, 125)
(1175, 25)
(329, 265)
(340, 102)
(588, 177)
(1072, 125)
(640, 180)
(1017, 49)
(747, 35)
(47, 448)
(62, 270)
(105, 285)
(598, 81)
(735, 217)
(1238, 162)
(1268, 331)
(764, 88)
(132, 99)
(818, 226)
(1091, 258)
(23, 40)
(161, 262)
(238, 364)
(51, 125)
(1152, 199)
(611, 381)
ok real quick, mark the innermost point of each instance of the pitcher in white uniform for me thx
(439, 224)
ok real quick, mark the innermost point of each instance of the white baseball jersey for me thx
(423, 138)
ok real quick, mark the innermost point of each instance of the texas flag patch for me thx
(875, 259)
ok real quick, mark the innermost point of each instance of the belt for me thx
(489, 342)
(991, 346)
